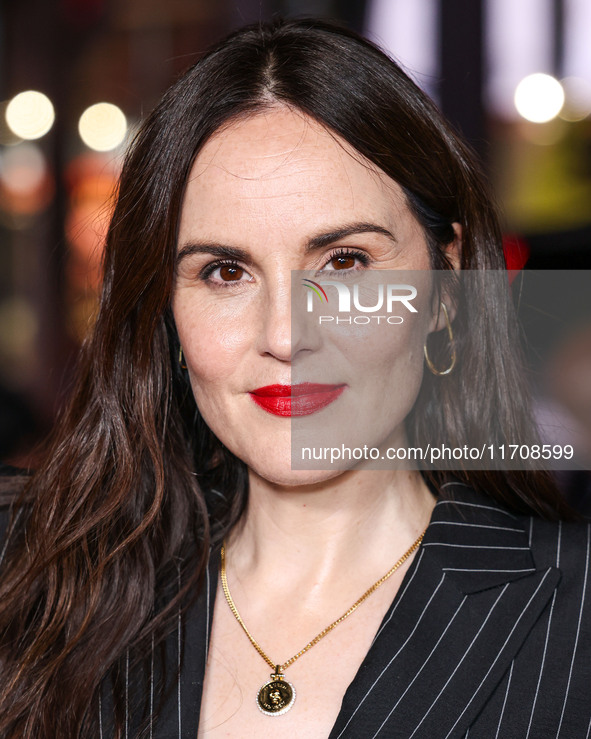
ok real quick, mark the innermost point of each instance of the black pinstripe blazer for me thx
(488, 637)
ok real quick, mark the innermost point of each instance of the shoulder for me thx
(483, 544)
(494, 537)
(549, 540)
(564, 545)
(559, 548)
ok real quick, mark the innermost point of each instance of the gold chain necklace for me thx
(277, 695)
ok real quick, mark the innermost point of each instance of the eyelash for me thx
(208, 270)
(344, 252)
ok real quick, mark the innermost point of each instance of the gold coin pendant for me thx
(276, 697)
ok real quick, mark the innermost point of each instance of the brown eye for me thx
(230, 273)
(343, 261)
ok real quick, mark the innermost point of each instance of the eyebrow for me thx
(320, 241)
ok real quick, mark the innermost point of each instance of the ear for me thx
(453, 253)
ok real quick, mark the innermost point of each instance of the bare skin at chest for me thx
(235, 671)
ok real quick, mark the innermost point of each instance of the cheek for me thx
(380, 350)
(386, 367)
(392, 361)
(213, 340)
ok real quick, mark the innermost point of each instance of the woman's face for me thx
(269, 194)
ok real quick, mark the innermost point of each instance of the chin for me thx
(284, 476)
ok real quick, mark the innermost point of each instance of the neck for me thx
(330, 527)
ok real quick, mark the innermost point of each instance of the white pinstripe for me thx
(531, 526)
(466, 569)
(572, 662)
(422, 667)
(482, 625)
(473, 546)
(505, 701)
(379, 677)
(126, 693)
(100, 716)
(473, 505)
(475, 525)
(503, 647)
(207, 612)
(152, 689)
(178, 649)
(533, 708)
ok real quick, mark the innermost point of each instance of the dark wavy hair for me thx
(134, 488)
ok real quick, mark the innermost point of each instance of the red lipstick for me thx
(295, 400)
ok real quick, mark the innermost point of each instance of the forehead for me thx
(281, 167)
(273, 134)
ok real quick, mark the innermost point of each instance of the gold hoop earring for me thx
(181, 359)
(450, 333)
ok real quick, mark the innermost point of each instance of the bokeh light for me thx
(18, 327)
(102, 127)
(23, 168)
(577, 104)
(30, 114)
(539, 98)
(26, 184)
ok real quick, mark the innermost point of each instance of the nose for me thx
(285, 331)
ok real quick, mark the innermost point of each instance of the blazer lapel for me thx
(464, 608)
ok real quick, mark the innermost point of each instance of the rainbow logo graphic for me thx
(316, 288)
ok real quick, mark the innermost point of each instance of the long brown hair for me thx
(134, 488)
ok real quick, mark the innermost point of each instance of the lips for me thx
(295, 400)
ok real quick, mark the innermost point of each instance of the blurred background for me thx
(77, 76)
